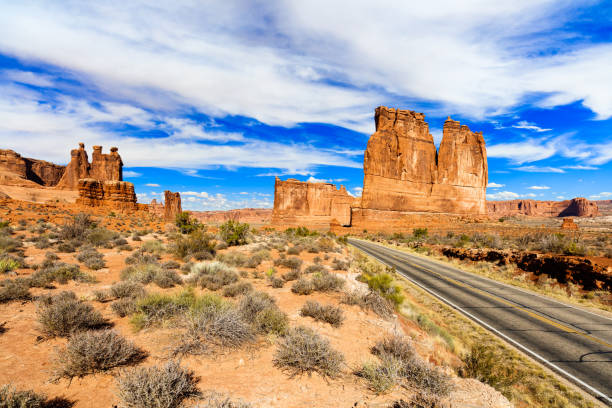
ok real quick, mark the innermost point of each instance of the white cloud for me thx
(272, 60)
(204, 201)
(527, 151)
(312, 179)
(503, 195)
(602, 195)
(580, 167)
(495, 185)
(531, 195)
(538, 188)
(538, 169)
(529, 126)
(152, 185)
(131, 174)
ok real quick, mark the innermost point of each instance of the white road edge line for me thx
(527, 292)
(519, 345)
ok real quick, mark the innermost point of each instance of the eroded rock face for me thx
(22, 170)
(311, 204)
(576, 207)
(569, 224)
(404, 172)
(172, 205)
(112, 194)
(248, 215)
(104, 167)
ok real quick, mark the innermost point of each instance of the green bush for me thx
(302, 286)
(58, 272)
(419, 233)
(186, 224)
(127, 289)
(91, 258)
(164, 386)
(197, 244)
(327, 282)
(212, 275)
(234, 232)
(383, 284)
(9, 263)
(271, 320)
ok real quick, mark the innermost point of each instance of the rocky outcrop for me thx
(569, 224)
(604, 206)
(172, 205)
(17, 170)
(156, 208)
(564, 269)
(104, 167)
(257, 216)
(118, 195)
(311, 204)
(576, 207)
(404, 172)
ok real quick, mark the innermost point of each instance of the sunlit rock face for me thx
(118, 195)
(103, 167)
(576, 207)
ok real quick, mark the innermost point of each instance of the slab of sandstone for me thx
(576, 207)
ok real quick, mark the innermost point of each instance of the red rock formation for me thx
(77, 169)
(569, 224)
(310, 204)
(576, 207)
(605, 206)
(156, 208)
(403, 171)
(249, 215)
(112, 194)
(172, 205)
(17, 170)
(106, 166)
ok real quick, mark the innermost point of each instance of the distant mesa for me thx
(576, 207)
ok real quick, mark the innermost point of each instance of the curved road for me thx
(573, 342)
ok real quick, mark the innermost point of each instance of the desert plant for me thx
(91, 258)
(370, 300)
(216, 400)
(276, 282)
(58, 272)
(340, 265)
(234, 232)
(99, 237)
(164, 386)
(396, 346)
(292, 275)
(143, 272)
(124, 307)
(302, 286)
(316, 268)
(92, 351)
(291, 262)
(253, 303)
(271, 320)
(186, 224)
(11, 398)
(383, 283)
(383, 375)
(197, 244)
(234, 258)
(222, 326)
(62, 314)
(238, 288)
(76, 227)
(212, 275)
(325, 313)
(9, 263)
(165, 278)
(327, 282)
(127, 289)
(14, 289)
(303, 351)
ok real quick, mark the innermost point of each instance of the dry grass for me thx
(62, 314)
(324, 313)
(370, 300)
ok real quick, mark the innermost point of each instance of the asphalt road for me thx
(572, 341)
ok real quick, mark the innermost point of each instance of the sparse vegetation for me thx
(91, 258)
(303, 351)
(14, 289)
(370, 300)
(234, 232)
(11, 398)
(63, 314)
(212, 275)
(325, 313)
(166, 386)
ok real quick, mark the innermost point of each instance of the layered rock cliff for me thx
(404, 172)
(576, 207)
(18, 170)
(172, 205)
(118, 195)
(311, 204)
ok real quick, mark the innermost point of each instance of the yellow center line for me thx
(504, 301)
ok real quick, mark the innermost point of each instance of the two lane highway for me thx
(572, 341)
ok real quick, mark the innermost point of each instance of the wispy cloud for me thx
(152, 185)
(503, 195)
(131, 174)
(538, 169)
(495, 185)
(523, 124)
(538, 188)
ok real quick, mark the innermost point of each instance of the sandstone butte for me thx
(408, 183)
(172, 205)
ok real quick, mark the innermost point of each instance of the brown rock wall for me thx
(16, 170)
(112, 194)
(172, 205)
(104, 167)
(577, 207)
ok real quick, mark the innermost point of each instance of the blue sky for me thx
(214, 101)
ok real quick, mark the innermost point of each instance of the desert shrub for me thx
(171, 265)
(324, 313)
(370, 301)
(119, 242)
(302, 286)
(186, 224)
(292, 275)
(303, 351)
(77, 227)
(396, 346)
(423, 376)
(257, 257)
(14, 289)
(124, 306)
(127, 289)
(223, 326)
(212, 275)
(143, 272)
(9, 244)
(93, 351)
(382, 283)
(340, 265)
(234, 258)
(271, 320)
(300, 232)
(141, 257)
(234, 232)
(316, 268)
(165, 278)
(197, 244)
(327, 282)
(91, 258)
(291, 262)
(276, 282)
(219, 401)
(102, 295)
(58, 272)
(63, 314)
(255, 302)
(156, 308)
(101, 237)
(66, 247)
(11, 398)
(164, 386)
(419, 233)
(326, 244)
(483, 363)
(42, 242)
(238, 288)
(294, 250)
(383, 375)
(221, 245)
